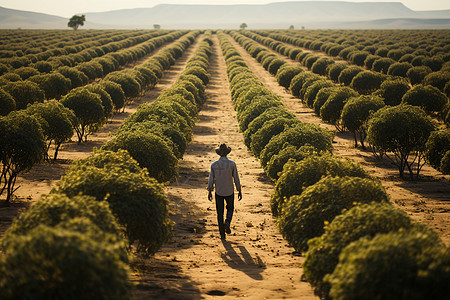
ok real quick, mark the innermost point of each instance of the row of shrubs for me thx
(81, 52)
(353, 111)
(415, 48)
(32, 86)
(79, 237)
(32, 131)
(322, 204)
(342, 73)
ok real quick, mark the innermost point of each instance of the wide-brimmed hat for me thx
(223, 150)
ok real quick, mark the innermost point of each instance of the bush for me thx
(50, 263)
(150, 151)
(129, 85)
(346, 75)
(300, 135)
(297, 176)
(199, 72)
(107, 103)
(54, 85)
(399, 69)
(405, 265)
(335, 70)
(138, 201)
(403, 130)
(437, 145)
(313, 89)
(356, 113)
(303, 217)
(321, 65)
(270, 129)
(88, 111)
(382, 65)
(445, 163)
(26, 72)
(255, 108)
(437, 79)
(276, 163)
(275, 65)
(115, 92)
(331, 110)
(322, 97)
(7, 103)
(56, 122)
(77, 78)
(22, 145)
(364, 220)
(427, 97)
(285, 75)
(392, 91)
(366, 82)
(417, 74)
(24, 93)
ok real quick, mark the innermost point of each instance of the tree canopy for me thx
(76, 21)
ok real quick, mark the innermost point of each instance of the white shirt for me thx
(223, 171)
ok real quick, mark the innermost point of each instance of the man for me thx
(223, 172)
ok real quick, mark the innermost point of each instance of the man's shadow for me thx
(244, 262)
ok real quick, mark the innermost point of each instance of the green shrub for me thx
(370, 59)
(335, 70)
(285, 75)
(364, 220)
(297, 176)
(322, 97)
(77, 78)
(313, 89)
(300, 135)
(26, 72)
(7, 103)
(255, 108)
(331, 110)
(437, 79)
(399, 69)
(199, 72)
(417, 74)
(22, 145)
(427, 97)
(54, 85)
(43, 66)
(129, 85)
(392, 91)
(346, 75)
(303, 216)
(107, 103)
(436, 146)
(366, 82)
(298, 81)
(276, 163)
(409, 264)
(382, 65)
(275, 65)
(24, 93)
(56, 122)
(358, 57)
(150, 151)
(356, 113)
(403, 130)
(51, 263)
(445, 163)
(138, 201)
(270, 129)
(321, 65)
(435, 63)
(115, 92)
(88, 111)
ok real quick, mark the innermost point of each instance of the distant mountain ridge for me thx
(323, 14)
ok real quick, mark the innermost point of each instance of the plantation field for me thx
(262, 258)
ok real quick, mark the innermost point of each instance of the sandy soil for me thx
(254, 262)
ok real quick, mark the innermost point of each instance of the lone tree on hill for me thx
(156, 26)
(243, 26)
(76, 21)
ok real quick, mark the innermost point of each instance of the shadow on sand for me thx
(243, 261)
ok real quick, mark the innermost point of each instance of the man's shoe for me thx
(227, 227)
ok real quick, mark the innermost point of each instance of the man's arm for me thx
(210, 184)
(237, 182)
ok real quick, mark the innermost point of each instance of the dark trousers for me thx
(220, 210)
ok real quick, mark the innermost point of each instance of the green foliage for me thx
(50, 263)
(417, 74)
(409, 264)
(129, 85)
(76, 77)
(403, 130)
(150, 151)
(428, 97)
(26, 72)
(7, 103)
(399, 69)
(138, 201)
(54, 85)
(382, 65)
(346, 75)
(392, 91)
(22, 145)
(437, 79)
(366, 82)
(199, 72)
(297, 176)
(56, 122)
(255, 108)
(321, 65)
(24, 93)
(107, 103)
(437, 145)
(298, 82)
(364, 220)
(445, 163)
(313, 89)
(88, 110)
(335, 70)
(322, 97)
(356, 113)
(115, 92)
(303, 217)
(331, 110)
(76, 21)
(285, 75)
(275, 65)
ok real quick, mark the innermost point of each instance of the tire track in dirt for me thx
(426, 200)
(255, 261)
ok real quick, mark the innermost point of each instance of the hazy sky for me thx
(67, 8)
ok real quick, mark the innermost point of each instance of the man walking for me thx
(223, 172)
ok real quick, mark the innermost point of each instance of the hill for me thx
(326, 14)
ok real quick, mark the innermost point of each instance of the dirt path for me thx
(255, 261)
(41, 178)
(426, 200)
